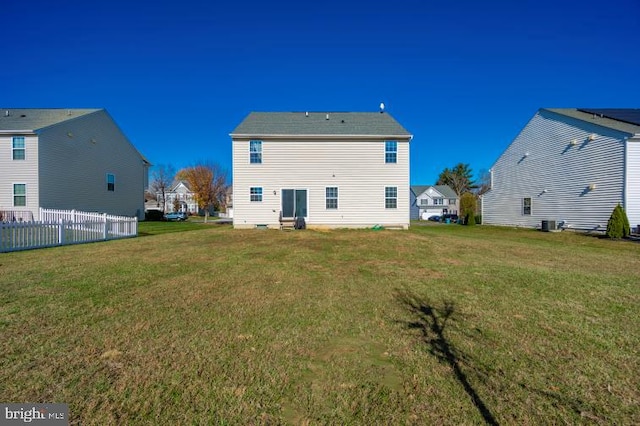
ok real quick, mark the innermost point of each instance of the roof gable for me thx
(320, 124)
(35, 119)
(441, 190)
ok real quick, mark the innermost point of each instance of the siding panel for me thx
(556, 174)
(75, 157)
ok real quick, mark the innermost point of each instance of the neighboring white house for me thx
(179, 198)
(430, 200)
(335, 169)
(68, 159)
(571, 166)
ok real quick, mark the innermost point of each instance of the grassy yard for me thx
(437, 325)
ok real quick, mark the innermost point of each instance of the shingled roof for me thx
(320, 124)
(624, 120)
(33, 119)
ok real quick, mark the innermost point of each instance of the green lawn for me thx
(436, 325)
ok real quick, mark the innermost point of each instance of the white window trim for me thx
(255, 152)
(390, 198)
(14, 149)
(261, 194)
(390, 152)
(337, 198)
(13, 194)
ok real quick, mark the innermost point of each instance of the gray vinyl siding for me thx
(556, 174)
(75, 157)
(19, 171)
(356, 167)
(633, 182)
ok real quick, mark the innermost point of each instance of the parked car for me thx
(434, 218)
(449, 218)
(178, 216)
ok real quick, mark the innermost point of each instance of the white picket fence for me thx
(61, 227)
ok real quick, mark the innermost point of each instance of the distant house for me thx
(68, 159)
(569, 167)
(180, 198)
(430, 200)
(335, 169)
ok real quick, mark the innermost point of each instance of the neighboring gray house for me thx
(68, 159)
(335, 169)
(571, 166)
(430, 200)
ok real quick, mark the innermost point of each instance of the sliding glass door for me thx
(294, 203)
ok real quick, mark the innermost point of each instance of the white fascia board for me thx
(17, 132)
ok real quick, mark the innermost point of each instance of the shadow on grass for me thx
(432, 322)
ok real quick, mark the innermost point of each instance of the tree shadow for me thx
(432, 322)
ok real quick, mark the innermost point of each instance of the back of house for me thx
(334, 169)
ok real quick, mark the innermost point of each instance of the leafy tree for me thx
(209, 185)
(618, 225)
(458, 178)
(161, 181)
(468, 208)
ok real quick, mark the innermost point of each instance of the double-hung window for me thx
(18, 148)
(111, 182)
(19, 194)
(438, 201)
(255, 152)
(255, 193)
(331, 197)
(391, 197)
(526, 206)
(391, 152)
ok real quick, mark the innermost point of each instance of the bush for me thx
(467, 205)
(478, 218)
(618, 225)
(470, 219)
(153, 215)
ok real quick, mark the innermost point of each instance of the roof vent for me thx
(381, 107)
(327, 116)
(6, 113)
(306, 114)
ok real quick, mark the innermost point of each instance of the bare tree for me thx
(162, 178)
(208, 182)
(484, 182)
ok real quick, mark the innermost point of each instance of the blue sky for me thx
(464, 77)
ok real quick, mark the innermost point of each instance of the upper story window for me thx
(526, 206)
(391, 152)
(391, 197)
(256, 193)
(255, 152)
(19, 194)
(18, 148)
(111, 182)
(424, 202)
(331, 197)
(438, 202)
